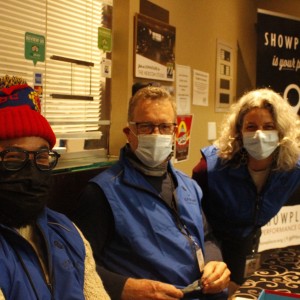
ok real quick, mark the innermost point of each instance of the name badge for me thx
(200, 259)
(252, 264)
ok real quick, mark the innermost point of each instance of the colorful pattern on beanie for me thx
(17, 95)
(14, 91)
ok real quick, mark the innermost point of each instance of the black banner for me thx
(278, 55)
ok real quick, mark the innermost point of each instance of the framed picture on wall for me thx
(224, 76)
(154, 49)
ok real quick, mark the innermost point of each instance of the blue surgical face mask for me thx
(261, 143)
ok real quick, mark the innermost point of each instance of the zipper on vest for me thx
(179, 224)
(259, 200)
(25, 269)
(50, 287)
(49, 261)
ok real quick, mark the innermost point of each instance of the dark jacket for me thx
(101, 206)
(150, 240)
(233, 207)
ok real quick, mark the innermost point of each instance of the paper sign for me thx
(283, 230)
(104, 39)
(34, 47)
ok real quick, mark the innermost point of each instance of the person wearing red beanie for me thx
(42, 253)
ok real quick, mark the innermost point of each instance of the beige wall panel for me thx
(199, 23)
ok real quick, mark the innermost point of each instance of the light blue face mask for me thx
(261, 143)
(154, 149)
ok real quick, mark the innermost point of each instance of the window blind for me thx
(70, 28)
(16, 18)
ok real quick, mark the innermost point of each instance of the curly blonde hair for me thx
(230, 143)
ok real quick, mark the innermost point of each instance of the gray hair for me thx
(150, 92)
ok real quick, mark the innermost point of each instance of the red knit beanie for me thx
(20, 114)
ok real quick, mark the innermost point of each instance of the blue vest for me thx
(66, 254)
(147, 242)
(233, 206)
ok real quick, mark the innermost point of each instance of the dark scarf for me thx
(158, 177)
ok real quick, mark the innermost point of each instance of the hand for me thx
(144, 289)
(216, 277)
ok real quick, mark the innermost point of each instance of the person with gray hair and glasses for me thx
(143, 217)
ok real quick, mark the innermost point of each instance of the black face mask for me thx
(23, 195)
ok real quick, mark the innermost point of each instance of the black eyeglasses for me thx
(148, 128)
(16, 159)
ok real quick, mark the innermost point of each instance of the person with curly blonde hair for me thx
(249, 173)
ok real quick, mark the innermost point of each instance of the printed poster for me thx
(200, 88)
(154, 49)
(183, 135)
(278, 55)
(283, 230)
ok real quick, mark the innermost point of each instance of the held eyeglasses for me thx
(15, 159)
(148, 128)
